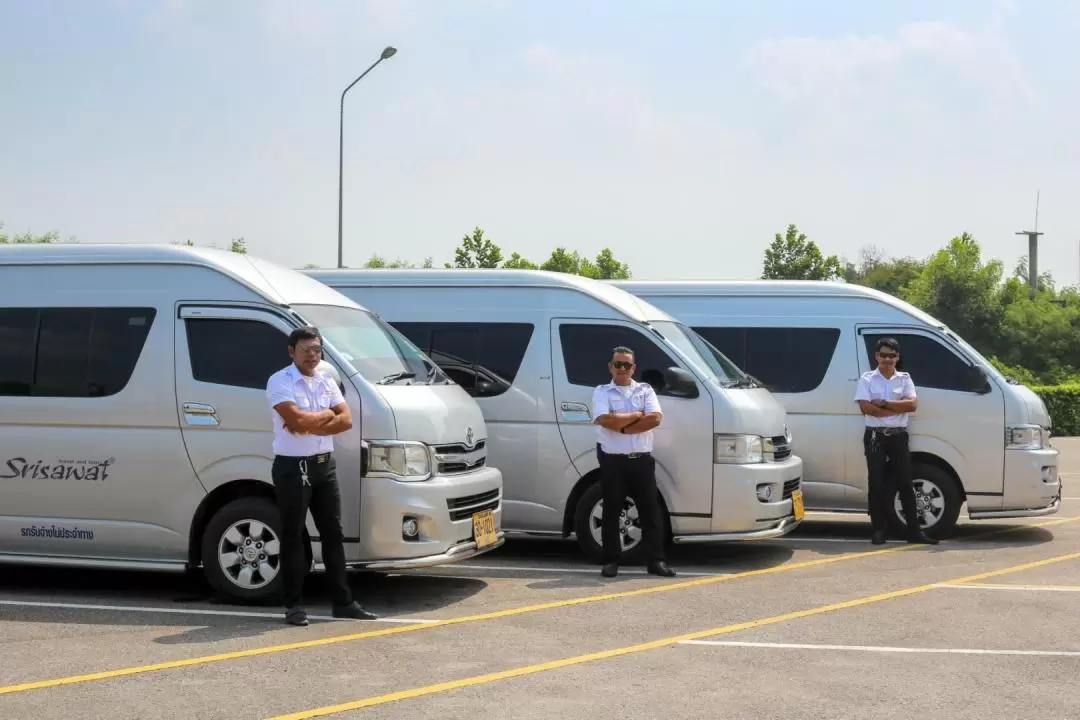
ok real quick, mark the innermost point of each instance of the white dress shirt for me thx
(612, 398)
(875, 386)
(310, 394)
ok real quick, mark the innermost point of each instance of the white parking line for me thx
(590, 571)
(882, 649)
(1029, 588)
(190, 611)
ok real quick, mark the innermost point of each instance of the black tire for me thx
(243, 510)
(584, 531)
(941, 486)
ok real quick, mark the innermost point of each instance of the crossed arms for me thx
(332, 421)
(630, 423)
(886, 408)
(336, 419)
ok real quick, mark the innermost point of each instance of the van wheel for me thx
(241, 550)
(937, 500)
(587, 520)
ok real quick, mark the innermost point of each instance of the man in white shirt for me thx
(886, 397)
(626, 412)
(308, 409)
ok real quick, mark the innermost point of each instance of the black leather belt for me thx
(888, 431)
(318, 459)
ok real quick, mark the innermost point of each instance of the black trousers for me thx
(888, 466)
(294, 497)
(620, 476)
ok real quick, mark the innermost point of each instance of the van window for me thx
(483, 358)
(587, 351)
(930, 363)
(784, 360)
(70, 352)
(240, 353)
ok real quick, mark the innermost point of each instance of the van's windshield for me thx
(377, 351)
(701, 353)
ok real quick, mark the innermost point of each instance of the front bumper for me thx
(1032, 486)
(443, 508)
(738, 514)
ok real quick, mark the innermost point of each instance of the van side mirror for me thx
(977, 380)
(679, 383)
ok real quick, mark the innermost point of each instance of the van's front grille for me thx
(463, 508)
(456, 458)
(781, 449)
(791, 486)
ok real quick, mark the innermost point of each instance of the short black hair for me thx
(308, 332)
(621, 350)
(890, 343)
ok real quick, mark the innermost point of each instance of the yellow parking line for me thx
(651, 645)
(382, 632)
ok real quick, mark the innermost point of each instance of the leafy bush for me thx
(1063, 403)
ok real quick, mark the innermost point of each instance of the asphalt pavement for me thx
(820, 624)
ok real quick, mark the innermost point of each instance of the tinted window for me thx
(784, 360)
(241, 353)
(483, 358)
(930, 363)
(587, 351)
(70, 352)
(18, 340)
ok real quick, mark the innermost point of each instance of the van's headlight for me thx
(1025, 437)
(401, 460)
(738, 449)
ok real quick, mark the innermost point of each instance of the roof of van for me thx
(774, 288)
(276, 283)
(615, 297)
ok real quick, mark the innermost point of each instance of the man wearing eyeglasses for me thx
(308, 410)
(626, 412)
(886, 397)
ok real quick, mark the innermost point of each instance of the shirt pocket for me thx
(637, 402)
(302, 402)
(898, 391)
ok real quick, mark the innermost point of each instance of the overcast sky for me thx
(681, 134)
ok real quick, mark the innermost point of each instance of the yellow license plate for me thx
(483, 524)
(797, 505)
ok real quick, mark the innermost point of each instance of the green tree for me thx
(962, 291)
(477, 251)
(378, 261)
(29, 238)
(793, 257)
(564, 261)
(238, 245)
(608, 268)
(876, 270)
(516, 262)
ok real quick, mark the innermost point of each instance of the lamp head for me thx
(388, 52)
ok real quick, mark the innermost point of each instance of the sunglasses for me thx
(886, 355)
(622, 365)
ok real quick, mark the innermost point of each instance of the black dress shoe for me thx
(878, 538)
(296, 616)
(610, 570)
(922, 539)
(353, 612)
(659, 567)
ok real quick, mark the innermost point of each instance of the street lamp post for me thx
(386, 54)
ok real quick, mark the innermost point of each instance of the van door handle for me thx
(200, 414)
(575, 412)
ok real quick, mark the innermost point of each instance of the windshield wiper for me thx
(746, 382)
(394, 377)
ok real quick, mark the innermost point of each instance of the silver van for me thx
(976, 438)
(135, 431)
(530, 347)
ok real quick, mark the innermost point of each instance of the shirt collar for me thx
(633, 384)
(295, 375)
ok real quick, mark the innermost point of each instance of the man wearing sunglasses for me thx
(626, 412)
(308, 409)
(886, 397)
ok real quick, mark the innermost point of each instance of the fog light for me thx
(410, 528)
(764, 492)
(1047, 475)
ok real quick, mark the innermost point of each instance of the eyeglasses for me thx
(886, 355)
(622, 365)
(309, 349)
